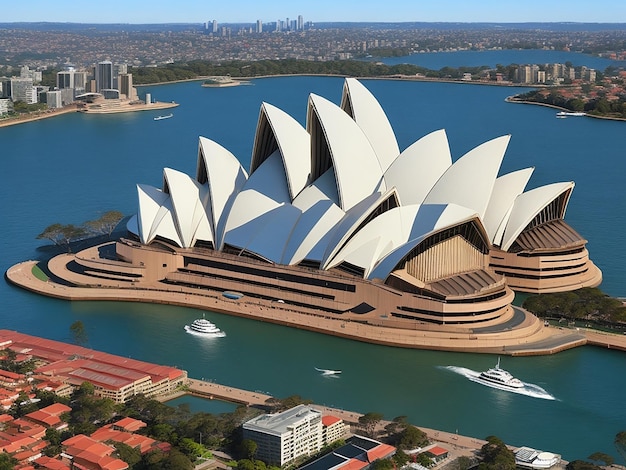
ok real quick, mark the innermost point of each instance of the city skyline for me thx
(247, 11)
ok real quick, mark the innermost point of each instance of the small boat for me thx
(499, 378)
(328, 371)
(203, 327)
(564, 114)
(165, 116)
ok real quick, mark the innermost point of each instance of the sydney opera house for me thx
(334, 220)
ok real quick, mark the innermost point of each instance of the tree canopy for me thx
(496, 455)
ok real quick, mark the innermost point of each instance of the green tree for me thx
(79, 334)
(620, 444)
(496, 455)
(7, 462)
(606, 459)
(62, 235)
(581, 465)
(190, 448)
(383, 464)
(128, 454)
(105, 224)
(412, 438)
(369, 421)
(248, 448)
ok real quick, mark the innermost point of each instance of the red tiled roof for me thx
(381, 451)
(330, 420)
(56, 409)
(130, 424)
(48, 463)
(354, 464)
(437, 451)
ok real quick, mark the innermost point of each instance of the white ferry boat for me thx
(166, 116)
(564, 114)
(328, 371)
(499, 378)
(203, 327)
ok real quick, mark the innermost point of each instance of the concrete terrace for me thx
(522, 334)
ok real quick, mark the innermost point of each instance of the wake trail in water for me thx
(531, 390)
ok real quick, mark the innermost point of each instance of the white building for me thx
(5, 106)
(22, 89)
(283, 437)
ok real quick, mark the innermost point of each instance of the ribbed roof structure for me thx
(339, 192)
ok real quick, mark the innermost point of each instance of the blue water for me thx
(71, 168)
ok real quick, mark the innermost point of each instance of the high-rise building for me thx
(214, 27)
(300, 23)
(65, 79)
(104, 75)
(22, 89)
(126, 86)
(259, 26)
(283, 437)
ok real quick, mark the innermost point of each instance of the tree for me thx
(62, 235)
(581, 465)
(7, 462)
(412, 438)
(248, 448)
(620, 443)
(602, 457)
(79, 335)
(105, 224)
(128, 454)
(496, 455)
(369, 421)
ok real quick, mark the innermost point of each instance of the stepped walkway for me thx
(522, 334)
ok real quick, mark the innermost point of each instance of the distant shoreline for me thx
(510, 99)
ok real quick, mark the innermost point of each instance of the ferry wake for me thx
(502, 380)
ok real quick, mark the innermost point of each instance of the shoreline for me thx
(543, 341)
(456, 444)
(510, 99)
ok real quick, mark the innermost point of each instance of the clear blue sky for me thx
(248, 11)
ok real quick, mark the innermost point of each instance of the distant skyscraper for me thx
(214, 30)
(300, 23)
(104, 75)
(259, 26)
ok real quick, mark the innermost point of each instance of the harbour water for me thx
(71, 168)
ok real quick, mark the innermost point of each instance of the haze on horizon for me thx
(248, 11)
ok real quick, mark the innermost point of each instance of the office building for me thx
(283, 437)
(22, 89)
(104, 76)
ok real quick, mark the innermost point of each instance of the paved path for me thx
(532, 338)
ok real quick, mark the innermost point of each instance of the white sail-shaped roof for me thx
(527, 206)
(150, 201)
(427, 221)
(351, 222)
(357, 171)
(505, 190)
(320, 214)
(371, 118)
(156, 215)
(419, 167)
(225, 177)
(380, 235)
(469, 181)
(272, 231)
(293, 141)
(190, 201)
(265, 190)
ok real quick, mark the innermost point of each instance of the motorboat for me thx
(328, 371)
(564, 114)
(499, 378)
(165, 116)
(203, 327)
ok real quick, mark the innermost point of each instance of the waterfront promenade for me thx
(528, 337)
(456, 444)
